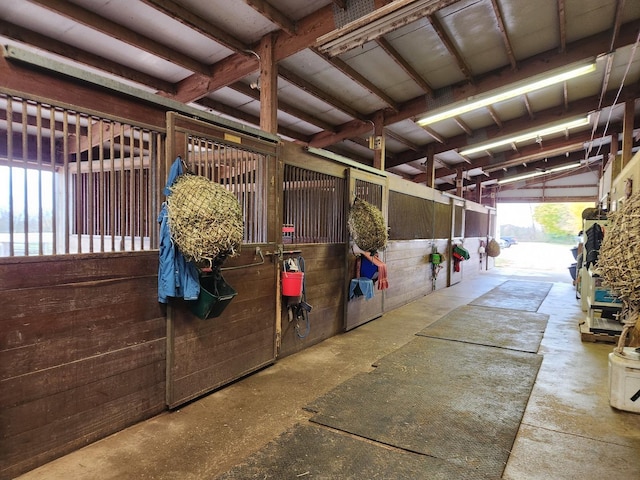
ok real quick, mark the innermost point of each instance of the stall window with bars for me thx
(242, 172)
(314, 207)
(71, 182)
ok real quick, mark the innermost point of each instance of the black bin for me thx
(215, 295)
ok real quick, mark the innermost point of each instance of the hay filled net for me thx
(205, 219)
(619, 264)
(366, 226)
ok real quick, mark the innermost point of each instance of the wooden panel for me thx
(324, 282)
(409, 272)
(82, 352)
(206, 354)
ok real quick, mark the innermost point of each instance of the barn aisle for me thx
(567, 431)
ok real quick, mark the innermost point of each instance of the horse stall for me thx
(87, 348)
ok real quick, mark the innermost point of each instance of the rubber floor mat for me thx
(515, 295)
(497, 327)
(455, 401)
(310, 451)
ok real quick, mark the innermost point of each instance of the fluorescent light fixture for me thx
(528, 135)
(526, 176)
(516, 89)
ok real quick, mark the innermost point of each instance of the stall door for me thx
(457, 236)
(204, 354)
(373, 189)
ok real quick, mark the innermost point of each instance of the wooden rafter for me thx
(448, 43)
(562, 25)
(54, 46)
(197, 23)
(273, 15)
(135, 39)
(494, 116)
(406, 66)
(358, 78)
(505, 34)
(308, 87)
(284, 106)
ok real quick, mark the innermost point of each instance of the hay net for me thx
(205, 219)
(618, 260)
(366, 226)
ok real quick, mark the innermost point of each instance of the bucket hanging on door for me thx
(292, 283)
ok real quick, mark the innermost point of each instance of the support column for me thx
(479, 189)
(430, 166)
(268, 86)
(459, 182)
(627, 131)
(378, 141)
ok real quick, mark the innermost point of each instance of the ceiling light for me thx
(536, 174)
(514, 90)
(528, 135)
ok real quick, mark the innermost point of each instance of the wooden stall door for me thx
(375, 190)
(457, 235)
(205, 354)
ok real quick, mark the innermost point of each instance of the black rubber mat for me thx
(309, 451)
(497, 327)
(515, 295)
(455, 401)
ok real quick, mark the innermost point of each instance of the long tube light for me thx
(526, 176)
(516, 89)
(528, 135)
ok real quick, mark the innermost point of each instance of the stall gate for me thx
(375, 190)
(203, 355)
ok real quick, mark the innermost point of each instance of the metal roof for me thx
(341, 63)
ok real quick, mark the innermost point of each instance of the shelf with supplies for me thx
(602, 308)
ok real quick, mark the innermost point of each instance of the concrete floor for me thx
(569, 431)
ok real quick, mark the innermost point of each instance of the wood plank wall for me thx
(82, 352)
(324, 286)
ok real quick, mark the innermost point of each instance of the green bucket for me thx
(215, 295)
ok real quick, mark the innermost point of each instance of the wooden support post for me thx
(627, 131)
(479, 189)
(268, 86)
(430, 166)
(459, 182)
(378, 132)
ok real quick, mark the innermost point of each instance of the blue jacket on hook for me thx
(176, 276)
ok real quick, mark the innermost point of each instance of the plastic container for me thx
(215, 295)
(292, 283)
(624, 380)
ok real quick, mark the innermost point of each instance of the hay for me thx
(493, 248)
(618, 259)
(205, 219)
(367, 227)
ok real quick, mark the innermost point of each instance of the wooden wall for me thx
(82, 352)
(325, 292)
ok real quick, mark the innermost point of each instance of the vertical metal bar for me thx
(78, 185)
(25, 158)
(112, 186)
(54, 173)
(10, 164)
(102, 217)
(144, 211)
(67, 179)
(90, 184)
(122, 197)
(39, 162)
(132, 186)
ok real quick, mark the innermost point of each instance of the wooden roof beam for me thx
(396, 57)
(562, 25)
(112, 29)
(273, 15)
(448, 43)
(505, 35)
(311, 89)
(49, 44)
(349, 71)
(197, 23)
